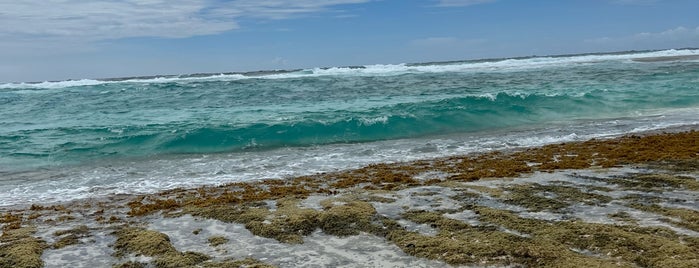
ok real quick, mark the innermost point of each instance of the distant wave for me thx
(94, 82)
(488, 65)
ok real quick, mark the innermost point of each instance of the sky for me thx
(44, 40)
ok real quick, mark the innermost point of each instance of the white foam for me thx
(382, 69)
(496, 65)
(373, 121)
(53, 84)
(93, 82)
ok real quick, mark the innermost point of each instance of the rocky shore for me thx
(624, 202)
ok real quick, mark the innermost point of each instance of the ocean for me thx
(67, 140)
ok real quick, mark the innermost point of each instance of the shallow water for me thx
(452, 199)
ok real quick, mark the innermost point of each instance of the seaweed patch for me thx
(524, 207)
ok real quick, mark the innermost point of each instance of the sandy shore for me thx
(630, 201)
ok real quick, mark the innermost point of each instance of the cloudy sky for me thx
(73, 39)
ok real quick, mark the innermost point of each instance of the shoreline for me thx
(106, 191)
(425, 212)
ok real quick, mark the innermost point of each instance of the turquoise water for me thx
(74, 139)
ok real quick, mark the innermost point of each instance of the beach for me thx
(349, 133)
(628, 201)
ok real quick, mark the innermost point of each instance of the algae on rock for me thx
(288, 223)
(70, 237)
(215, 241)
(632, 245)
(348, 218)
(533, 196)
(19, 249)
(150, 243)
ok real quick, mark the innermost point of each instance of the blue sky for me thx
(74, 39)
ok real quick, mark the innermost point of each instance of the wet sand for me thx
(629, 201)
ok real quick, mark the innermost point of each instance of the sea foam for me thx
(493, 65)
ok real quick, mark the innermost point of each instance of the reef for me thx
(631, 201)
(20, 248)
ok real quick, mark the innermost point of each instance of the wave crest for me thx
(494, 65)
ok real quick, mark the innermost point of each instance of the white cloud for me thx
(97, 20)
(679, 33)
(113, 19)
(671, 38)
(277, 9)
(462, 3)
